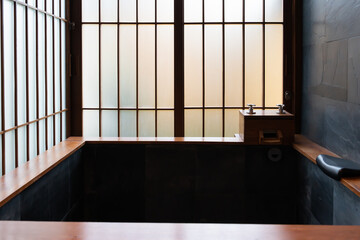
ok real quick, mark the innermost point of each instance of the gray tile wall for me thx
(331, 90)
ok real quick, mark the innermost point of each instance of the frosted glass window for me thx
(213, 65)
(213, 10)
(41, 4)
(32, 141)
(57, 129)
(22, 145)
(165, 124)
(273, 65)
(64, 125)
(253, 65)
(41, 66)
(63, 10)
(165, 10)
(90, 10)
(128, 123)
(63, 65)
(42, 134)
(146, 66)
(193, 123)
(56, 7)
(274, 10)
(50, 64)
(127, 10)
(32, 3)
(193, 11)
(90, 45)
(233, 66)
(146, 123)
(233, 10)
(193, 65)
(1, 151)
(57, 65)
(50, 137)
(9, 150)
(213, 123)
(127, 66)
(165, 63)
(90, 123)
(32, 63)
(253, 10)
(21, 64)
(109, 123)
(109, 10)
(231, 122)
(9, 91)
(49, 6)
(146, 9)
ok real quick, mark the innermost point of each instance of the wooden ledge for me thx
(20, 178)
(311, 150)
(159, 140)
(165, 231)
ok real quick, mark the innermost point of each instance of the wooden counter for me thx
(159, 231)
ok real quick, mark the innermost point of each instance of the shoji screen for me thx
(33, 79)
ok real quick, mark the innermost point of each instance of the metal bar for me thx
(27, 81)
(170, 109)
(31, 122)
(186, 23)
(263, 63)
(2, 86)
(126, 108)
(37, 80)
(137, 69)
(203, 68)
(118, 67)
(243, 56)
(223, 68)
(100, 104)
(60, 70)
(46, 78)
(156, 70)
(54, 87)
(16, 87)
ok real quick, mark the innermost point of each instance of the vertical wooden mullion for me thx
(100, 104)
(54, 67)
(118, 67)
(37, 80)
(60, 69)
(15, 86)
(243, 56)
(156, 69)
(263, 62)
(27, 80)
(223, 68)
(203, 68)
(46, 76)
(137, 68)
(2, 88)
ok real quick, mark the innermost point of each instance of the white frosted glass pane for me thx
(9, 151)
(165, 124)
(233, 10)
(50, 65)
(146, 10)
(32, 2)
(213, 10)
(9, 91)
(127, 10)
(21, 64)
(63, 10)
(193, 65)
(41, 4)
(57, 65)
(109, 10)
(32, 63)
(64, 126)
(193, 10)
(22, 145)
(109, 66)
(213, 65)
(253, 65)
(128, 123)
(50, 132)
(57, 7)
(193, 123)
(233, 66)
(1, 150)
(165, 10)
(127, 66)
(90, 61)
(32, 141)
(91, 123)
(146, 66)
(63, 65)
(49, 5)
(42, 143)
(109, 123)
(57, 129)
(231, 122)
(146, 123)
(41, 66)
(253, 10)
(273, 65)
(90, 10)
(274, 10)
(213, 123)
(165, 64)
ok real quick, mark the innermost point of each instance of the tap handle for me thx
(251, 109)
(281, 108)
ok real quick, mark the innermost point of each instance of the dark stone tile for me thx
(11, 210)
(346, 206)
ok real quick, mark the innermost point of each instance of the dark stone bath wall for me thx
(331, 82)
